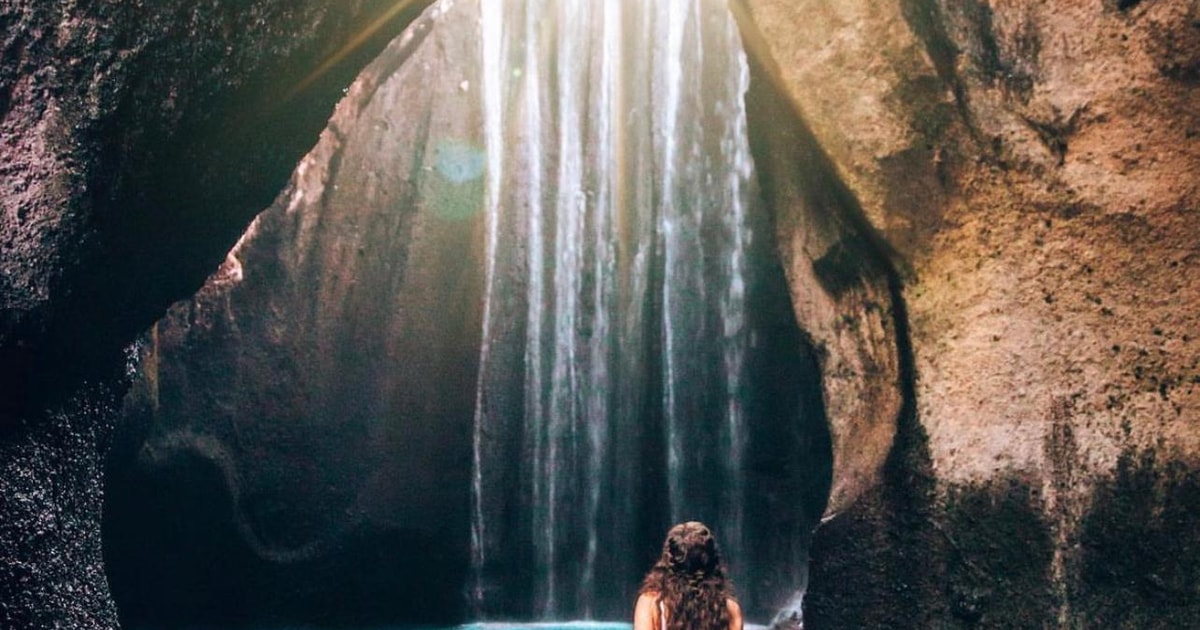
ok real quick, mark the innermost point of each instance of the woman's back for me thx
(651, 613)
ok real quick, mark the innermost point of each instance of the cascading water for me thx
(572, 178)
(618, 359)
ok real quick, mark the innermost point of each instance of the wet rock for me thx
(1138, 543)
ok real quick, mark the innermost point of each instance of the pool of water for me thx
(492, 625)
(560, 625)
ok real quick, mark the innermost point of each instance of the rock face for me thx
(51, 570)
(136, 142)
(316, 391)
(1031, 173)
(844, 291)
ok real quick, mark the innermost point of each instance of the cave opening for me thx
(397, 402)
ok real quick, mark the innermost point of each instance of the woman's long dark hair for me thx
(689, 580)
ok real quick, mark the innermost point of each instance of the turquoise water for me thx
(553, 625)
(506, 625)
(490, 625)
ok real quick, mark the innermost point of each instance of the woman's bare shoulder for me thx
(647, 601)
(649, 597)
(645, 613)
(735, 613)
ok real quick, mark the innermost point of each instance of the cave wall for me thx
(51, 494)
(1032, 173)
(136, 142)
(297, 445)
(316, 393)
(1027, 172)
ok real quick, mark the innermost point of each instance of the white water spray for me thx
(618, 163)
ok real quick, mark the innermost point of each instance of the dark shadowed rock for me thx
(842, 283)
(304, 421)
(51, 570)
(136, 141)
(1138, 542)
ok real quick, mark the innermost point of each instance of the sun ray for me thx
(354, 44)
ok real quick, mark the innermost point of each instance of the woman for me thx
(687, 588)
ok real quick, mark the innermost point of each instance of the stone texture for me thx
(136, 141)
(843, 289)
(51, 569)
(1031, 169)
(316, 392)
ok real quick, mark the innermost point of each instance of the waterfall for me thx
(614, 388)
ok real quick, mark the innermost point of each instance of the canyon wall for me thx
(1031, 173)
